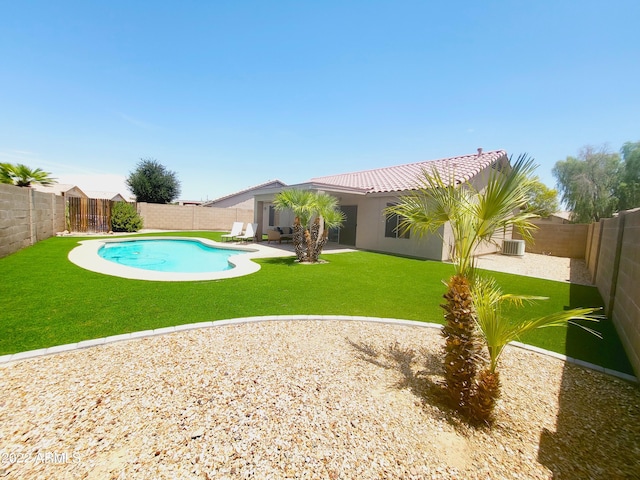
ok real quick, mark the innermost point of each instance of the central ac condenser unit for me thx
(513, 247)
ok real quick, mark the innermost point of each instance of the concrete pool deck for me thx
(86, 256)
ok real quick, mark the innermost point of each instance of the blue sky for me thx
(230, 94)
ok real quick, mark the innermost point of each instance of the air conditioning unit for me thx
(513, 247)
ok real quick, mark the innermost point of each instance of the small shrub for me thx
(125, 218)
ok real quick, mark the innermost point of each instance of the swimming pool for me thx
(184, 256)
(154, 258)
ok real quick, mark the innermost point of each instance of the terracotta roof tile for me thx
(403, 177)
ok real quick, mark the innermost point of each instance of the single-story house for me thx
(61, 189)
(244, 198)
(558, 217)
(363, 197)
(113, 196)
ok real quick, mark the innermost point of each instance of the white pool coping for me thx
(86, 256)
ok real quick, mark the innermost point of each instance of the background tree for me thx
(588, 183)
(151, 182)
(315, 213)
(542, 200)
(23, 176)
(629, 187)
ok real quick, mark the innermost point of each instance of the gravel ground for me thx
(541, 266)
(304, 399)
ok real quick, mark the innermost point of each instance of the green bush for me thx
(125, 218)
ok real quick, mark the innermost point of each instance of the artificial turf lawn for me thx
(46, 300)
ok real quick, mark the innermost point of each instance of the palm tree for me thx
(498, 331)
(23, 176)
(474, 217)
(315, 213)
(5, 173)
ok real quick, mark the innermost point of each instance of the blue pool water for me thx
(186, 256)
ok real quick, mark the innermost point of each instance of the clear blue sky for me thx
(229, 94)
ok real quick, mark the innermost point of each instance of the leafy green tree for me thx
(315, 213)
(125, 218)
(588, 183)
(474, 217)
(543, 201)
(629, 187)
(23, 176)
(151, 182)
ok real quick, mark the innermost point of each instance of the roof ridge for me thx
(403, 177)
(248, 189)
(412, 163)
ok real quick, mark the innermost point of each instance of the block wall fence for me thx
(27, 216)
(611, 250)
(613, 259)
(177, 217)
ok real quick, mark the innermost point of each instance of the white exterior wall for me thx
(244, 201)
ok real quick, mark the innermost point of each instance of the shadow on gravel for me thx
(597, 432)
(420, 373)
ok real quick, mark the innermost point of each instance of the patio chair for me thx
(249, 233)
(236, 230)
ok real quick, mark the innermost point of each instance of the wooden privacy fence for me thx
(88, 214)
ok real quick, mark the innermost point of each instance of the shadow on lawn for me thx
(283, 261)
(596, 434)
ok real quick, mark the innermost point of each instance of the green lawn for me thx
(46, 300)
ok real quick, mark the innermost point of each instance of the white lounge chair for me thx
(236, 231)
(250, 232)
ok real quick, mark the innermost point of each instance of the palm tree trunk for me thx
(298, 239)
(487, 392)
(318, 240)
(462, 346)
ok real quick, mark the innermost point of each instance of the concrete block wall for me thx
(559, 240)
(180, 217)
(593, 248)
(626, 307)
(27, 216)
(611, 249)
(607, 270)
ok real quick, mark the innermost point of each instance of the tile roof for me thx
(403, 177)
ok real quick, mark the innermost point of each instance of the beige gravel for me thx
(304, 399)
(541, 266)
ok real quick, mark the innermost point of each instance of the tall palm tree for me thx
(315, 213)
(23, 176)
(475, 216)
(498, 331)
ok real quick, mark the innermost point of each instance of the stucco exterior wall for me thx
(27, 216)
(370, 233)
(178, 217)
(244, 201)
